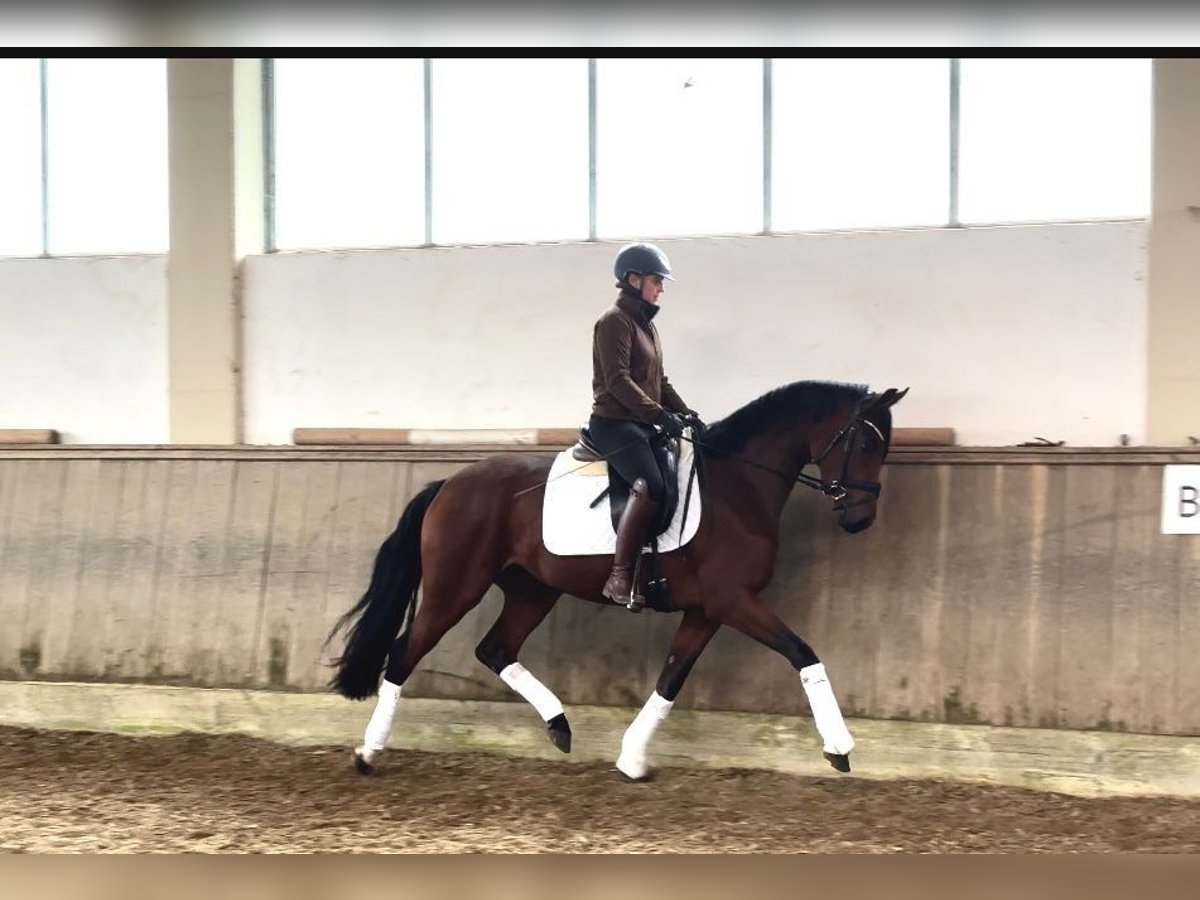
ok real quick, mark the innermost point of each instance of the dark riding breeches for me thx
(626, 446)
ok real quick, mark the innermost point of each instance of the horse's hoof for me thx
(361, 765)
(840, 761)
(634, 771)
(641, 779)
(560, 733)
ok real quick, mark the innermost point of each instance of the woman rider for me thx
(631, 395)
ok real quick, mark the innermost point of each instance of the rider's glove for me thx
(670, 423)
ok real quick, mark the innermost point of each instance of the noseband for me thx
(837, 489)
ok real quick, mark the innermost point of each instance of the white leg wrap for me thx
(826, 714)
(380, 726)
(632, 760)
(517, 677)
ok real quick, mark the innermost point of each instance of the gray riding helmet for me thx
(645, 259)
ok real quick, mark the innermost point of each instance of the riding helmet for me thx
(645, 259)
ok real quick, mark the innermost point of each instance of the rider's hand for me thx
(670, 423)
(692, 418)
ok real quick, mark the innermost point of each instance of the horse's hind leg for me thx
(692, 636)
(754, 619)
(527, 602)
(445, 599)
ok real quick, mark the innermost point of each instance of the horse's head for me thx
(849, 451)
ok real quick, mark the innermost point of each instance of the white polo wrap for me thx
(521, 680)
(634, 744)
(827, 716)
(380, 726)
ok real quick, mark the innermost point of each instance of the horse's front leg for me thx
(754, 619)
(692, 636)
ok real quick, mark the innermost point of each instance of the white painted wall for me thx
(1004, 333)
(83, 348)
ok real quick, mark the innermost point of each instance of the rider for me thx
(631, 395)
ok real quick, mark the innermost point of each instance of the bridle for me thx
(837, 489)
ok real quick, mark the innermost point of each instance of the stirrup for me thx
(636, 602)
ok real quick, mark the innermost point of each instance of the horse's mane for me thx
(807, 400)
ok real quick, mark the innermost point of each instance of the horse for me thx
(483, 526)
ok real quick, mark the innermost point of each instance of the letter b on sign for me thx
(1181, 500)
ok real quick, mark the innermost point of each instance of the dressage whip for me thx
(691, 476)
(603, 456)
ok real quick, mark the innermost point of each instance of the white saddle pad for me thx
(570, 528)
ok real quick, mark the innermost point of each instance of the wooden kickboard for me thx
(901, 437)
(28, 436)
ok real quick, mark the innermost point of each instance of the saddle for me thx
(666, 454)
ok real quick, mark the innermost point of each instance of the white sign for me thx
(1181, 500)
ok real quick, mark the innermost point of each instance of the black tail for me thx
(389, 602)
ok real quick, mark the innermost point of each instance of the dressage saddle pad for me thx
(572, 527)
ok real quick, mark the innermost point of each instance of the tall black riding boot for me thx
(631, 533)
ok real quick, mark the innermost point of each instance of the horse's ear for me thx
(887, 399)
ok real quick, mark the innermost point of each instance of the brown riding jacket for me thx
(628, 381)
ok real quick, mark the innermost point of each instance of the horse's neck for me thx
(781, 455)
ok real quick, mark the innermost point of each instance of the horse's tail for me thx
(389, 602)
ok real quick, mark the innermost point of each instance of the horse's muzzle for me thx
(855, 513)
(854, 520)
(857, 525)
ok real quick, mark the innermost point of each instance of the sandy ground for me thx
(83, 792)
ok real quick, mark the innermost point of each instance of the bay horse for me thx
(483, 526)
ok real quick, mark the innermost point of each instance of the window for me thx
(20, 158)
(1050, 139)
(349, 153)
(859, 143)
(679, 147)
(106, 131)
(510, 150)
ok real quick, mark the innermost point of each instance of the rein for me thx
(836, 490)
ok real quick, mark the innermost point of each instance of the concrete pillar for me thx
(1173, 279)
(215, 120)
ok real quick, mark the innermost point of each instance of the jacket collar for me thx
(637, 307)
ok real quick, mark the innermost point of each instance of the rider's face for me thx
(651, 286)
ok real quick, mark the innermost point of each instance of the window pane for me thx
(679, 146)
(510, 150)
(860, 143)
(107, 148)
(1054, 139)
(20, 158)
(349, 152)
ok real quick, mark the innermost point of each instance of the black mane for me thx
(808, 400)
